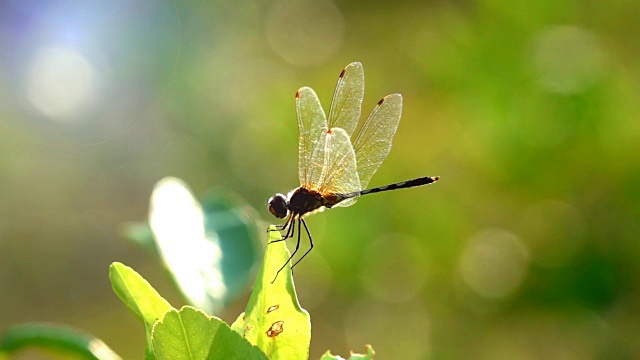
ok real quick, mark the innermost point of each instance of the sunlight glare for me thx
(177, 221)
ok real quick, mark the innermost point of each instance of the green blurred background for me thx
(529, 111)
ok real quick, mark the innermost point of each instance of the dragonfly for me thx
(336, 162)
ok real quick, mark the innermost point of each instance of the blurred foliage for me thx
(527, 246)
(54, 338)
(210, 249)
(368, 356)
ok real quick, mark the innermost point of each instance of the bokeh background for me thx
(529, 111)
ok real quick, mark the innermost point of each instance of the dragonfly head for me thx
(278, 206)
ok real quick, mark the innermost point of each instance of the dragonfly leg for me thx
(281, 227)
(290, 225)
(310, 242)
(278, 227)
(294, 251)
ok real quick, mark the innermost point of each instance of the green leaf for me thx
(367, 356)
(140, 297)
(57, 338)
(274, 320)
(137, 294)
(191, 334)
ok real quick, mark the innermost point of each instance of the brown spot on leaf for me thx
(247, 328)
(272, 308)
(275, 329)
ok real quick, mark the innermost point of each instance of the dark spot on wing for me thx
(342, 73)
(272, 308)
(275, 329)
(380, 102)
(297, 94)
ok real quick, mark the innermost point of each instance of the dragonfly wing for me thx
(312, 125)
(373, 143)
(347, 99)
(340, 174)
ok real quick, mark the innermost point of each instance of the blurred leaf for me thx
(55, 337)
(368, 356)
(139, 296)
(234, 222)
(210, 252)
(140, 234)
(273, 319)
(191, 334)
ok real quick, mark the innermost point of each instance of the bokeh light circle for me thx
(494, 263)
(306, 32)
(394, 268)
(567, 59)
(61, 84)
(402, 328)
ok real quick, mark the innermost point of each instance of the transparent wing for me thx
(340, 174)
(312, 125)
(347, 99)
(373, 143)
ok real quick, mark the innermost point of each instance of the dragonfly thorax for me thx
(303, 201)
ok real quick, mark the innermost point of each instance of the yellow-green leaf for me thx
(137, 294)
(274, 320)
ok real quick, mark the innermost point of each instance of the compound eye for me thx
(278, 206)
